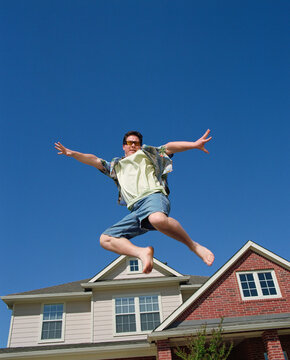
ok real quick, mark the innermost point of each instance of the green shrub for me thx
(206, 347)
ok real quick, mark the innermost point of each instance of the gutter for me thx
(237, 329)
(10, 299)
(98, 352)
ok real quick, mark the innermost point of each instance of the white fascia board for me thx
(135, 282)
(122, 257)
(270, 255)
(107, 268)
(190, 287)
(9, 299)
(236, 329)
(98, 352)
(166, 267)
(250, 245)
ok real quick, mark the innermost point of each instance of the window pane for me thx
(273, 291)
(53, 312)
(124, 305)
(151, 303)
(254, 293)
(51, 330)
(265, 292)
(134, 266)
(267, 283)
(243, 277)
(248, 285)
(261, 276)
(125, 323)
(149, 321)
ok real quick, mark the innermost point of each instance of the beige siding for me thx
(78, 322)
(26, 326)
(120, 272)
(104, 312)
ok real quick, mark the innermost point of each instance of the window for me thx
(258, 284)
(149, 312)
(137, 314)
(134, 266)
(125, 315)
(52, 322)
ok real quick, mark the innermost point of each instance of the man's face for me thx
(133, 146)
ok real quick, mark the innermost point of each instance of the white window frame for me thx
(137, 313)
(140, 267)
(258, 286)
(62, 339)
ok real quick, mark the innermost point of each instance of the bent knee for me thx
(104, 239)
(158, 219)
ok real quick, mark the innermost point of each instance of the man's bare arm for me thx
(88, 159)
(179, 146)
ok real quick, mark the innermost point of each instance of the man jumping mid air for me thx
(141, 178)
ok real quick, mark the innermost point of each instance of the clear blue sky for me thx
(84, 73)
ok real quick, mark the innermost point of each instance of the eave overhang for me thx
(232, 330)
(13, 299)
(135, 282)
(91, 351)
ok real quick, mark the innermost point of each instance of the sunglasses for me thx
(129, 142)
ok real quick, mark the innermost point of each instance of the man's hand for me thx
(62, 150)
(88, 159)
(202, 141)
(179, 146)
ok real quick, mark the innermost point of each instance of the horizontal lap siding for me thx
(103, 310)
(78, 322)
(26, 325)
(120, 272)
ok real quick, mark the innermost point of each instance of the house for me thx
(122, 313)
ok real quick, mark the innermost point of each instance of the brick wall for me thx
(223, 298)
(272, 345)
(164, 351)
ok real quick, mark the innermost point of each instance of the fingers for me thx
(206, 140)
(206, 133)
(60, 148)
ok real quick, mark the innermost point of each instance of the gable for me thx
(223, 298)
(222, 287)
(119, 270)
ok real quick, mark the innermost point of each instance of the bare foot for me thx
(206, 255)
(147, 259)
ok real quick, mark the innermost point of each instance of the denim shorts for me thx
(137, 223)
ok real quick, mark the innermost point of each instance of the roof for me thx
(74, 286)
(123, 348)
(232, 325)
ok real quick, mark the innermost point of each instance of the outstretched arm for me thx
(88, 159)
(179, 146)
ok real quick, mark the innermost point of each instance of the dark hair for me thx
(136, 133)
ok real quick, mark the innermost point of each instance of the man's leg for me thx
(123, 246)
(172, 228)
